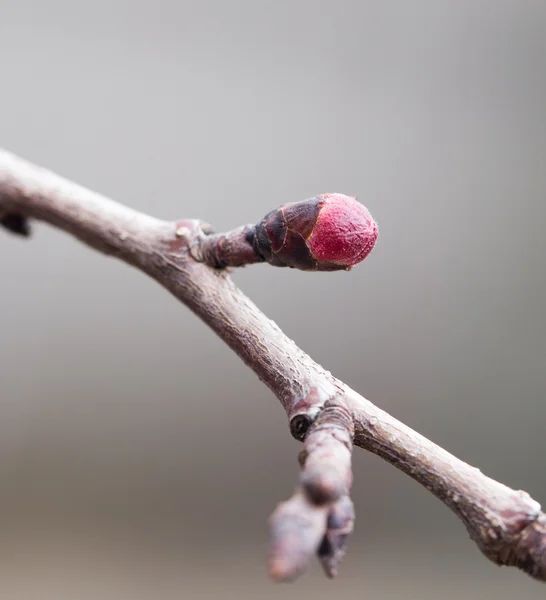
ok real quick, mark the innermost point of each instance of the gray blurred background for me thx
(139, 458)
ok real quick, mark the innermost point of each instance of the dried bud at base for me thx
(330, 232)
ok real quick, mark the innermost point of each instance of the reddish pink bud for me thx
(345, 232)
(329, 232)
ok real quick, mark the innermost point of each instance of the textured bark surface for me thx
(507, 525)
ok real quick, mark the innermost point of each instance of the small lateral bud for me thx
(339, 527)
(330, 232)
(15, 223)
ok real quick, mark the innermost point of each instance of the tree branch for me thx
(188, 260)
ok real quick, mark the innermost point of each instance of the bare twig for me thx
(507, 525)
(321, 496)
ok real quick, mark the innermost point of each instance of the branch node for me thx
(323, 484)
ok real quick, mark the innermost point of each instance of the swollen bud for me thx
(330, 232)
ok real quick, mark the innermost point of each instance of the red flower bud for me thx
(329, 232)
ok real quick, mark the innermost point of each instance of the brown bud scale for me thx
(318, 234)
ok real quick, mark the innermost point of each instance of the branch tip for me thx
(329, 232)
(334, 544)
(296, 530)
